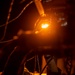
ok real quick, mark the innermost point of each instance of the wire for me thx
(30, 58)
(24, 62)
(12, 21)
(7, 41)
(35, 62)
(22, 1)
(38, 64)
(46, 65)
(19, 14)
(8, 17)
(9, 58)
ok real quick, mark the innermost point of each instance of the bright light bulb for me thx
(44, 25)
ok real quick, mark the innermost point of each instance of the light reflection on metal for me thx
(28, 32)
(43, 65)
(64, 24)
(44, 74)
(39, 74)
(39, 7)
(47, 0)
(36, 32)
(36, 74)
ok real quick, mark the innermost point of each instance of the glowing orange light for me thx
(44, 25)
(39, 74)
(44, 74)
(28, 32)
(36, 32)
(36, 74)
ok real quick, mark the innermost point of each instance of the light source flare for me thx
(44, 25)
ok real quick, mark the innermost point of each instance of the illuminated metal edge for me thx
(39, 7)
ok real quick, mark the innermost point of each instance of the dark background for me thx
(27, 20)
(23, 22)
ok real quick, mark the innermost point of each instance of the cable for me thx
(35, 62)
(7, 41)
(8, 17)
(19, 14)
(24, 62)
(38, 64)
(22, 1)
(14, 38)
(9, 58)
(30, 58)
(12, 21)
(46, 65)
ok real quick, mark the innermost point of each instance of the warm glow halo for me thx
(45, 25)
(39, 74)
